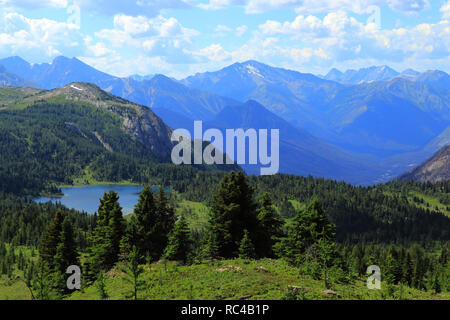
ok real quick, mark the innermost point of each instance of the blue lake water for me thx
(88, 198)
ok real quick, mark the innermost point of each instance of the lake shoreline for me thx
(87, 198)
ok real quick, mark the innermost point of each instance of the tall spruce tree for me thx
(165, 221)
(143, 224)
(180, 244)
(246, 248)
(407, 270)
(270, 227)
(233, 210)
(107, 235)
(50, 240)
(66, 255)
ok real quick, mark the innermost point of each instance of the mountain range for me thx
(351, 76)
(385, 73)
(382, 118)
(374, 119)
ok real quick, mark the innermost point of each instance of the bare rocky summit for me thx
(435, 169)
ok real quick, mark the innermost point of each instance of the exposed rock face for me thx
(435, 169)
(137, 120)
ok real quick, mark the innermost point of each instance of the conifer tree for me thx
(179, 245)
(143, 225)
(210, 249)
(107, 235)
(392, 266)
(165, 221)
(66, 254)
(309, 226)
(436, 285)
(133, 271)
(233, 210)
(246, 248)
(101, 286)
(407, 270)
(326, 256)
(42, 282)
(357, 263)
(270, 227)
(51, 239)
(419, 267)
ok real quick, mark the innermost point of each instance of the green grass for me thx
(224, 280)
(431, 201)
(87, 179)
(14, 289)
(231, 279)
(196, 213)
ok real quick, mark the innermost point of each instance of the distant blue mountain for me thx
(59, 73)
(141, 78)
(334, 75)
(8, 78)
(382, 73)
(436, 78)
(294, 96)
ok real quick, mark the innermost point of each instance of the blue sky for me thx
(182, 37)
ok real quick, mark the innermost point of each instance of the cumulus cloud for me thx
(222, 28)
(214, 52)
(33, 38)
(445, 9)
(158, 36)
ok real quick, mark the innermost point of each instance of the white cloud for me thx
(445, 9)
(217, 4)
(340, 40)
(311, 28)
(214, 52)
(410, 6)
(159, 36)
(32, 38)
(241, 30)
(222, 28)
(97, 49)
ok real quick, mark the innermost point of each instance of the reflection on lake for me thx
(88, 198)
